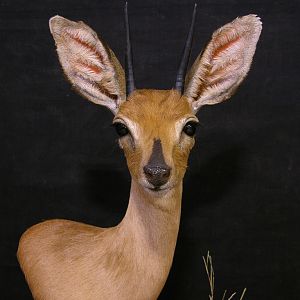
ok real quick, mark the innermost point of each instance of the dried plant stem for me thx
(231, 296)
(210, 274)
(211, 279)
(244, 292)
(223, 298)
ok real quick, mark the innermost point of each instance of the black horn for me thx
(130, 87)
(179, 84)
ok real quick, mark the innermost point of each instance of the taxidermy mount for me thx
(64, 259)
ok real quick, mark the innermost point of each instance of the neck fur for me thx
(153, 220)
(148, 233)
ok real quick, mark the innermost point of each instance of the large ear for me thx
(88, 63)
(224, 63)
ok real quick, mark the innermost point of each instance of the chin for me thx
(158, 191)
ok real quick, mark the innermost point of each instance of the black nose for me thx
(157, 175)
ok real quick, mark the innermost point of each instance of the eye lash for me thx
(194, 122)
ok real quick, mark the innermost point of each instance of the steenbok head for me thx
(156, 127)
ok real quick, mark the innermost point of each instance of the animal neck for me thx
(150, 228)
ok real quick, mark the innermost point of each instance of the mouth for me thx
(158, 189)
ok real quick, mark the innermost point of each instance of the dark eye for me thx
(190, 128)
(121, 129)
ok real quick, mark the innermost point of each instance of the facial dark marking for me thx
(157, 171)
(157, 157)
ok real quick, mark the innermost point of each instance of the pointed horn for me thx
(130, 87)
(179, 85)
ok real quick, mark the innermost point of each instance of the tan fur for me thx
(69, 260)
(156, 113)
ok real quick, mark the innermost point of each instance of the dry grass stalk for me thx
(211, 279)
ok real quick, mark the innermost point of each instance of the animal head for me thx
(156, 127)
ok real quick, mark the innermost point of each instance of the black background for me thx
(60, 159)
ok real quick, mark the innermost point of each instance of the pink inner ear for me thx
(91, 84)
(217, 81)
(85, 44)
(221, 65)
(221, 49)
(224, 63)
(93, 68)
